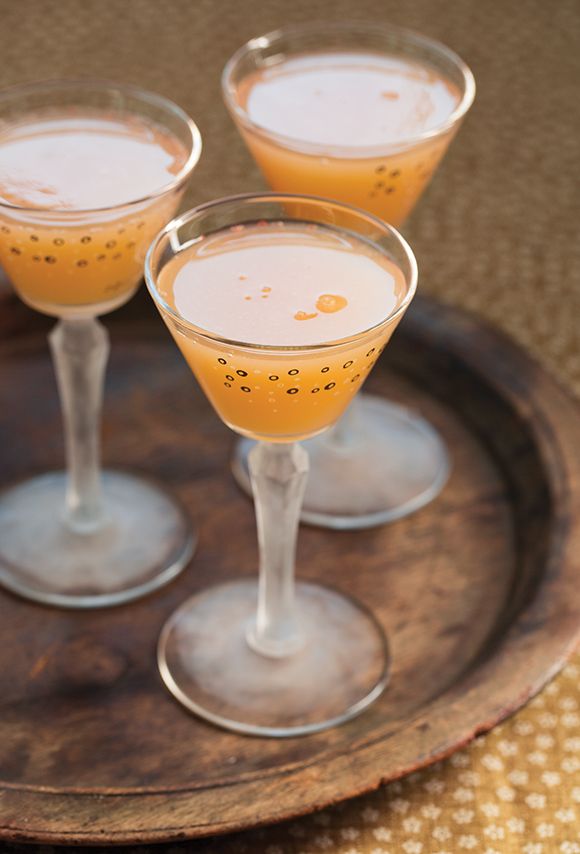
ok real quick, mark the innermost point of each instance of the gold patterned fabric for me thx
(497, 233)
(513, 791)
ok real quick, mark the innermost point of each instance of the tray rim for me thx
(427, 319)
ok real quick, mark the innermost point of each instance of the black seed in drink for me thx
(395, 173)
(315, 390)
(380, 169)
(324, 370)
(245, 388)
(110, 244)
(389, 190)
(230, 378)
(58, 241)
(292, 391)
(293, 372)
(273, 377)
(242, 373)
(50, 259)
(101, 257)
(82, 263)
(15, 250)
(222, 361)
(85, 239)
(34, 238)
(228, 385)
(329, 386)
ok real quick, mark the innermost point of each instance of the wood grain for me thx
(478, 592)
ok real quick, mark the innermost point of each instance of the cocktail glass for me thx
(382, 461)
(275, 658)
(87, 538)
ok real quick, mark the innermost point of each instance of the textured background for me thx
(497, 233)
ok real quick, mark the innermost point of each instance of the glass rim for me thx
(178, 222)
(351, 27)
(102, 84)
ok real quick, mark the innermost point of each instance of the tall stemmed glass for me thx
(382, 461)
(84, 538)
(276, 658)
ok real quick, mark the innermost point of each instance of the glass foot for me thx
(146, 542)
(385, 463)
(207, 663)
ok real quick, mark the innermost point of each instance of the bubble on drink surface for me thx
(330, 303)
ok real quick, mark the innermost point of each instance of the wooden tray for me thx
(480, 593)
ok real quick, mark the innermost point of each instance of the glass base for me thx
(146, 543)
(385, 464)
(207, 663)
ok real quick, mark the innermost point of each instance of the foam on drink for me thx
(348, 99)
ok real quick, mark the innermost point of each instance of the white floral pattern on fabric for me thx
(515, 789)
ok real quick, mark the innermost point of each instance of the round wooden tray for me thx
(479, 593)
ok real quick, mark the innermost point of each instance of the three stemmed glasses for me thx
(87, 538)
(271, 658)
(381, 461)
(275, 658)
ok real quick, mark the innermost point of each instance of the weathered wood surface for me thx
(479, 592)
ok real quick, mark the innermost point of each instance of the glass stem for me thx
(80, 349)
(343, 434)
(279, 473)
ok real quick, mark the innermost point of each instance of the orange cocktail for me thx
(270, 284)
(360, 113)
(280, 305)
(316, 118)
(60, 172)
(89, 172)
